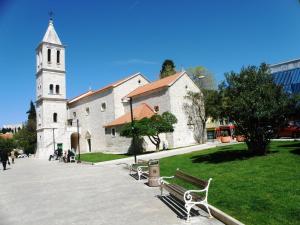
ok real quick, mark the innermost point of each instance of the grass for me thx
(254, 189)
(100, 157)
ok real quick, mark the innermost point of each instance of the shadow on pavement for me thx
(135, 176)
(177, 206)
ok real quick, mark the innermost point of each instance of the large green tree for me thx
(255, 103)
(151, 127)
(26, 138)
(167, 69)
(7, 144)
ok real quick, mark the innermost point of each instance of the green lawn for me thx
(255, 190)
(100, 157)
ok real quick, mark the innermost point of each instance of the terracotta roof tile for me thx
(167, 81)
(140, 112)
(6, 136)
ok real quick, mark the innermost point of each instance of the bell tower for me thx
(51, 103)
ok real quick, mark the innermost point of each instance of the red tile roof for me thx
(6, 136)
(156, 85)
(112, 85)
(139, 112)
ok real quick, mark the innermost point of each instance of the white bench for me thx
(189, 197)
(141, 168)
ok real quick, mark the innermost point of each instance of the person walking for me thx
(12, 156)
(4, 158)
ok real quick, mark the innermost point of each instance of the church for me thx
(91, 121)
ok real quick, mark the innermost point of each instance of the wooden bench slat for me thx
(191, 179)
(179, 191)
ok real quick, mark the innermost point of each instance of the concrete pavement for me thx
(162, 154)
(38, 192)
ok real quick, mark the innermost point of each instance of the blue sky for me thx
(109, 40)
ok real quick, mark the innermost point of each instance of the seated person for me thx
(70, 153)
(65, 157)
(59, 153)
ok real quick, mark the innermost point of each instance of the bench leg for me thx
(139, 172)
(161, 191)
(188, 208)
(208, 210)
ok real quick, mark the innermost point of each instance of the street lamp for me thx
(78, 143)
(133, 129)
(53, 140)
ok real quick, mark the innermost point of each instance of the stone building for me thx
(93, 119)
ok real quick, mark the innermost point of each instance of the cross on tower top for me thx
(51, 15)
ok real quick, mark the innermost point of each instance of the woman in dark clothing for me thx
(4, 158)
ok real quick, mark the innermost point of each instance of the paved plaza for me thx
(39, 192)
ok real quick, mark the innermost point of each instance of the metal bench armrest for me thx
(162, 181)
(142, 166)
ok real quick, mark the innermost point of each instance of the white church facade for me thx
(93, 119)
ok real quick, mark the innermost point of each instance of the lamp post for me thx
(53, 140)
(133, 129)
(78, 143)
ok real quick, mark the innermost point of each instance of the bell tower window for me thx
(51, 89)
(58, 57)
(57, 89)
(55, 117)
(49, 55)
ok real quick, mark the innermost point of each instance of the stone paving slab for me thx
(37, 192)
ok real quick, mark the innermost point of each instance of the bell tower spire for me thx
(51, 103)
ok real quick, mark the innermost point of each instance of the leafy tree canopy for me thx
(151, 127)
(255, 103)
(26, 138)
(167, 69)
(7, 144)
(31, 112)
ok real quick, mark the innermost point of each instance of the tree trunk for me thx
(257, 147)
(155, 140)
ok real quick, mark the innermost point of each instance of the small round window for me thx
(103, 106)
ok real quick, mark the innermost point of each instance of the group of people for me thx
(66, 157)
(4, 157)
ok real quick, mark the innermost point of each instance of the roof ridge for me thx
(78, 96)
(158, 84)
(110, 85)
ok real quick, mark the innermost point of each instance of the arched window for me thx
(51, 88)
(57, 89)
(113, 132)
(49, 55)
(58, 56)
(103, 107)
(55, 117)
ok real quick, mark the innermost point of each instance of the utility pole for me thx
(78, 143)
(133, 129)
(53, 140)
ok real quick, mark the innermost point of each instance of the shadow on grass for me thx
(296, 151)
(292, 144)
(224, 156)
(295, 145)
